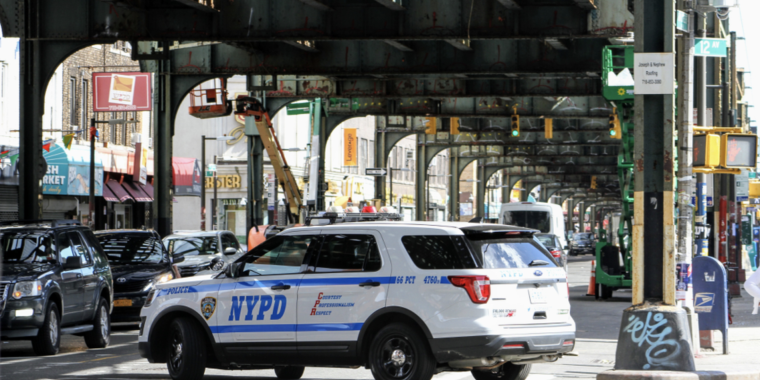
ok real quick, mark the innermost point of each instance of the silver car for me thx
(203, 251)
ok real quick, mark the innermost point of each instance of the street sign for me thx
(377, 172)
(654, 73)
(710, 47)
(301, 108)
(742, 186)
(682, 21)
(212, 167)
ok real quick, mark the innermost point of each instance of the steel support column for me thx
(420, 199)
(480, 198)
(454, 184)
(380, 162)
(654, 232)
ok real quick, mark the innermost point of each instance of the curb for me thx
(676, 375)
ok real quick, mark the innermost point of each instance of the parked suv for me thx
(583, 242)
(203, 251)
(139, 261)
(55, 280)
(406, 300)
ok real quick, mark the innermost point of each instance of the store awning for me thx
(108, 195)
(119, 191)
(148, 189)
(135, 190)
(186, 175)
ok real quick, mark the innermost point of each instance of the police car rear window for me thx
(512, 253)
(439, 252)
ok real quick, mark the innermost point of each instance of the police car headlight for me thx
(151, 296)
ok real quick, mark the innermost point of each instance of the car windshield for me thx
(546, 240)
(538, 220)
(192, 245)
(27, 247)
(132, 248)
(582, 236)
(512, 253)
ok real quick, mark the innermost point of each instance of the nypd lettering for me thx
(177, 290)
(265, 303)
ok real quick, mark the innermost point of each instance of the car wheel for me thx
(289, 372)
(100, 335)
(48, 339)
(399, 352)
(507, 371)
(186, 351)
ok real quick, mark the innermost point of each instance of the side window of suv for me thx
(65, 247)
(439, 252)
(278, 255)
(97, 251)
(349, 253)
(80, 248)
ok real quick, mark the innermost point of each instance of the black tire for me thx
(48, 339)
(100, 336)
(400, 352)
(186, 350)
(507, 371)
(289, 372)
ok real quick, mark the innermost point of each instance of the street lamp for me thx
(203, 168)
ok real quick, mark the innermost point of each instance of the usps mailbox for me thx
(711, 296)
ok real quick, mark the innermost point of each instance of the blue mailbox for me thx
(711, 296)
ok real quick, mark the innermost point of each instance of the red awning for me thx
(108, 195)
(120, 193)
(186, 176)
(135, 190)
(148, 189)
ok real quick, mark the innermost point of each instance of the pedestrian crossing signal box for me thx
(706, 151)
(739, 151)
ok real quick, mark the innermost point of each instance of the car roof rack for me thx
(51, 222)
(327, 218)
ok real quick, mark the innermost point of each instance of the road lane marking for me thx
(66, 354)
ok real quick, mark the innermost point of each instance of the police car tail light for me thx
(557, 254)
(477, 287)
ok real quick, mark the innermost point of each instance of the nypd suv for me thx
(406, 300)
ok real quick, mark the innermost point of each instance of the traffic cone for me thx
(592, 281)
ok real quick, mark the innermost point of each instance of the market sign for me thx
(68, 172)
(125, 91)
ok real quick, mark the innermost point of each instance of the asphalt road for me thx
(597, 323)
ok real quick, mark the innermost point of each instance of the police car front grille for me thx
(189, 271)
(129, 287)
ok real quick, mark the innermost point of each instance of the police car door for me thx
(259, 314)
(345, 283)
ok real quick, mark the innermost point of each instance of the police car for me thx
(406, 300)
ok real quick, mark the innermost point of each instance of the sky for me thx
(748, 55)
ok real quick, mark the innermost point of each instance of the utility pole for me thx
(653, 234)
(91, 215)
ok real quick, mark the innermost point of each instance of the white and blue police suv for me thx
(406, 300)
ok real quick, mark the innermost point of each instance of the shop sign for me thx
(349, 147)
(224, 181)
(71, 180)
(125, 91)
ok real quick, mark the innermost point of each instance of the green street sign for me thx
(301, 108)
(682, 21)
(710, 47)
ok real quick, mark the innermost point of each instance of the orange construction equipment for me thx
(211, 102)
(591, 292)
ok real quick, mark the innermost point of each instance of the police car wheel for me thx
(507, 371)
(289, 372)
(398, 352)
(185, 350)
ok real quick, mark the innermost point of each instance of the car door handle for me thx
(369, 283)
(281, 287)
(79, 275)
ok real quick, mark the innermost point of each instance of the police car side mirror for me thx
(231, 271)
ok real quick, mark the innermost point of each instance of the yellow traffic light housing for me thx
(738, 151)
(706, 151)
(431, 126)
(754, 188)
(515, 125)
(454, 126)
(616, 132)
(548, 128)
(593, 182)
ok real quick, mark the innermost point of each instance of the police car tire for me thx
(289, 372)
(192, 358)
(399, 336)
(507, 371)
(100, 335)
(48, 339)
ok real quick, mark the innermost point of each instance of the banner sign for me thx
(115, 92)
(349, 147)
(68, 172)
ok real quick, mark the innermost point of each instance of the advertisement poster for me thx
(68, 172)
(349, 147)
(684, 280)
(127, 91)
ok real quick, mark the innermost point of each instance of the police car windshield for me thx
(132, 249)
(192, 245)
(511, 253)
(27, 247)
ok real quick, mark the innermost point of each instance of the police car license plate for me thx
(503, 313)
(122, 303)
(537, 295)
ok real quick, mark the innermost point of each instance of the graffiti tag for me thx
(654, 332)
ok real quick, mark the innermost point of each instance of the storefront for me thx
(127, 202)
(66, 184)
(8, 186)
(186, 177)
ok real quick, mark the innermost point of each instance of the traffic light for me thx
(738, 151)
(615, 131)
(431, 126)
(593, 182)
(548, 128)
(454, 130)
(515, 125)
(706, 151)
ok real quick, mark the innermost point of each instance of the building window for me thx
(3, 79)
(73, 101)
(371, 161)
(85, 102)
(363, 152)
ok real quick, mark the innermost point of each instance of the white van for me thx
(545, 217)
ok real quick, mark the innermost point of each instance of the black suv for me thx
(55, 280)
(139, 261)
